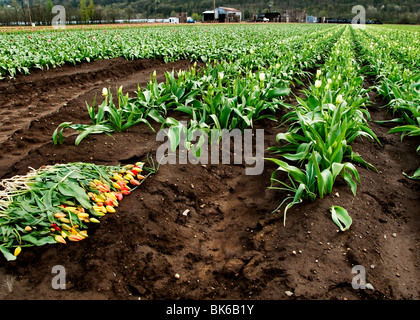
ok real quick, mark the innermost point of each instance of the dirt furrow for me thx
(42, 100)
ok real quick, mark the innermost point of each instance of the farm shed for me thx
(182, 17)
(273, 16)
(293, 16)
(173, 20)
(311, 19)
(222, 14)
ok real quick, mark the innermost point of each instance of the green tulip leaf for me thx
(341, 217)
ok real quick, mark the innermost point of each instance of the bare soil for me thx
(230, 245)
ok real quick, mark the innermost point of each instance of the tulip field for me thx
(81, 185)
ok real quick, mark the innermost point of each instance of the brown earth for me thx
(230, 245)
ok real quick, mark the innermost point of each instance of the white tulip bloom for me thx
(318, 84)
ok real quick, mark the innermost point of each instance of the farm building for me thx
(182, 17)
(273, 16)
(173, 20)
(266, 17)
(284, 16)
(311, 19)
(293, 16)
(222, 14)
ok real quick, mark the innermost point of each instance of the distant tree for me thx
(403, 19)
(331, 11)
(247, 15)
(196, 17)
(5, 15)
(17, 10)
(323, 13)
(98, 14)
(129, 12)
(112, 14)
(91, 10)
(48, 7)
(84, 11)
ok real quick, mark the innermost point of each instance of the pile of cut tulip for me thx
(57, 203)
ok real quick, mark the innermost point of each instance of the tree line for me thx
(14, 12)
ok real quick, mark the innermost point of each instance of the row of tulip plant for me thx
(316, 149)
(22, 51)
(398, 77)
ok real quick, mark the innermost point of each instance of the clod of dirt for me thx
(233, 267)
